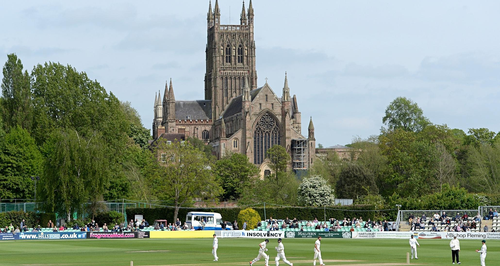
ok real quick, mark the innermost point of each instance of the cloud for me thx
(384, 71)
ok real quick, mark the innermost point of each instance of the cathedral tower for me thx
(230, 58)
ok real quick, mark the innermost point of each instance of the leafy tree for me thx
(315, 191)
(138, 133)
(76, 171)
(483, 168)
(405, 114)
(16, 93)
(479, 136)
(328, 167)
(234, 173)
(183, 174)
(202, 146)
(278, 161)
(250, 216)
(20, 160)
(355, 181)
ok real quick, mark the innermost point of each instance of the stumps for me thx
(407, 258)
(131, 263)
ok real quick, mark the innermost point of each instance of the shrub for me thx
(249, 215)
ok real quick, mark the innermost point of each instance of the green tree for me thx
(315, 191)
(278, 161)
(234, 173)
(76, 171)
(137, 132)
(20, 160)
(16, 93)
(202, 146)
(355, 181)
(183, 174)
(405, 114)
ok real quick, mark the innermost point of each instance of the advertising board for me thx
(110, 235)
(315, 234)
(381, 234)
(9, 236)
(181, 234)
(230, 233)
(264, 234)
(50, 235)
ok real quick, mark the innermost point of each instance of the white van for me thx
(204, 220)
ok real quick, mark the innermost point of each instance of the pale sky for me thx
(346, 60)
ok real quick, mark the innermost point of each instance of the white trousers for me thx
(281, 255)
(262, 254)
(214, 252)
(317, 255)
(483, 258)
(414, 252)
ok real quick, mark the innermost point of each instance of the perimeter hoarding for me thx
(50, 235)
(315, 234)
(181, 234)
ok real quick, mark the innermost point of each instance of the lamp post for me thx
(35, 178)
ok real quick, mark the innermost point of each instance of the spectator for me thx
(287, 221)
(436, 216)
(105, 227)
(424, 218)
(50, 224)
(434, 228)
(245, 225)
(495, 213)
(477, 218)
(411, 218)
(386, 225)
(485, 229)
(11, 228)
(235, 225)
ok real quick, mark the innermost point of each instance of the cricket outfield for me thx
(353, 252)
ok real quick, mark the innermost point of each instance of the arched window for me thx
(240, 54)
(235, 144)
(205, 135)
(228, 54)
(267, 172)
(266, 135)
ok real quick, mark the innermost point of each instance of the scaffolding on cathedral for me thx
(299, 154)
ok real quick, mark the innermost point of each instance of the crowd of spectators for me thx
(331, 225)
(444, 222)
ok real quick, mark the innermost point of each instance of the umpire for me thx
(455, 249)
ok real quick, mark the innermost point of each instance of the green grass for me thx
(234, 252)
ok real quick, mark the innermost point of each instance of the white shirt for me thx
(216, 242)
(413, 243)
(455, 244)
(262, 246)
(280, 248)
(317, 246)
(483, 250)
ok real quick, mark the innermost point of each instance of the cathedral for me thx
(236, 115)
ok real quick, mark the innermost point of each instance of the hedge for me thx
(231, 214)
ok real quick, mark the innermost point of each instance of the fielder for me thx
(482, 251)
(281, 254)
(413, 245)
(317, 252)
(215, 245)
(262, 253)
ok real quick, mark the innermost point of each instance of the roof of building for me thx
(236, 104)
(194, 110)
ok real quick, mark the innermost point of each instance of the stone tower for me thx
(230, 58)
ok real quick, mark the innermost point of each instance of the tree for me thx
(315, 191)
(405, 114)
(278, 161)
(20, 160)
(76, 171)
(16, 93)
(355, 181)
(137, 132)
(234, 173)
(183, 174)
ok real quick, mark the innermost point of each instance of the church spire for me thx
(210, 15)
(246, 91)
(286, 90)
(250, 13)
(311, 130)
(217, 12)
(165, 93)
(243, 17)
(171, 96)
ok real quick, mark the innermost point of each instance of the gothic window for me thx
(235, 144)
(228, 54)
(240, 54)
(163, 157)
(266, 97)
(204, 135)
(266, 135)
(267, 172)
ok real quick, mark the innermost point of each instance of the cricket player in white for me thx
(455, 250)
(281, 254)
(413, 244)
(482, 251)
(215, 245)
(317, 252)
(262, 253)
